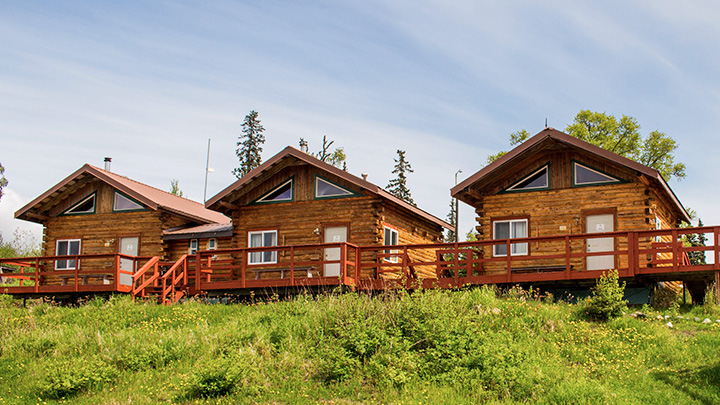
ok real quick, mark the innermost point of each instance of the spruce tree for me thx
(398, 186)
(249, 145)
(3, 180)
(451, 237)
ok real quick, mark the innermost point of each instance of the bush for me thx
(65, 378)
(606, 298)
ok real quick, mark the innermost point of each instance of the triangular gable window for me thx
(122, 203)
(538, 180)
(327, 189)
(586, 176)
(85, 206)
(281, 193)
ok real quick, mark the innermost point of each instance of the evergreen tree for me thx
(696, 239)
(451, 237)
(398, 186)
(249, 145)
(3, 180)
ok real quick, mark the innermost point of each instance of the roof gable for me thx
(549, 137)
(290, 156)
(150, 197)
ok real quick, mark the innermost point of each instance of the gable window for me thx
(85, 206)
(123, 203)
(538, 180)
(262, 239)
(327, 189)
(391, 238)
(193, 248)
(587, 176)
(67, 247)
(510, 229)
(281, 193)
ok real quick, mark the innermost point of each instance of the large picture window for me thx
(510, 229)
(67, 247)
(262, 239)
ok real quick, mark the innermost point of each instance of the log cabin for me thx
(94, 211)
(556, 184)
(296, 199)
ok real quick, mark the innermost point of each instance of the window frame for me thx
(193, 250)
(393, 232)
(92, 196)
(511, 232)
(115, 209)
(545, 167)
(349, 193)
(291, 180)
(75, 264)
(252, 256)
(214, 244)
(575, 183)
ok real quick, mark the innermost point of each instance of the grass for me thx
(466, 346)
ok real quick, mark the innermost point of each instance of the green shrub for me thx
(606, 298)
(65, 378)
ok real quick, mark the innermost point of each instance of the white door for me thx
(128, 246)
(598, 224)
(334, 234)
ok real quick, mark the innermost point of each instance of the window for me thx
(391, 238)
(537, 180)
(586, 176)
(67, 247)
(262, 239)
(510, 229)
(327, 189)
(122, 203)
(658, 225)
(193, 248)
(85, 206)
(281, 193)
(212, 244)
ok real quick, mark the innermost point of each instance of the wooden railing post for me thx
(457, 261)
(632, 252)
(243, 267)
(675, 251)
(508, 254)
(716, 231)
(37, 276)
(567, 257)
(358, 263)
(292, 265)
(343, 264)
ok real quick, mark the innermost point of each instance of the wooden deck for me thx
(637, 256)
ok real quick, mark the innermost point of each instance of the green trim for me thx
(605, 183)
(546, 166)
(82, 200)
(129, 198)
(315, 196)
(292, 193)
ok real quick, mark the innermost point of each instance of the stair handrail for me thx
(152, 263)
(174, 280)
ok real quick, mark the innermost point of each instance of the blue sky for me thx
(148, 83)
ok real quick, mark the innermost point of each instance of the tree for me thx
(451, 236)
(249, 145)
(606, 298)
(336, 158)
(3, 180)
(694, 240)
(398, 186)
(621, 137)
(23, 244)
(175, 188)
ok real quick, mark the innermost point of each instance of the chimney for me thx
(364, 176)
(108, 160)
(304, 145)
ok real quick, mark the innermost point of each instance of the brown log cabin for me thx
(114, 223)
(554, 185)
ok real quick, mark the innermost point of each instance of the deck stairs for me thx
(155, 280)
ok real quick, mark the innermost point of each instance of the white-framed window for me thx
(262, 239)
(212, 244)
(66, 247)
(391, 238)
(85, 206)
(123, 203)
(193, 248)
(510, 229)
(658, 225)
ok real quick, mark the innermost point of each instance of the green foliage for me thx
(68, 377)
(516, 138)
(451, 217)
(175, 188)
(23, 244)
(398, 186)
(249, 145)
(337, 158)
(606, 298)
(3, 180)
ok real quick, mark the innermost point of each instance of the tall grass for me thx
(430, 346)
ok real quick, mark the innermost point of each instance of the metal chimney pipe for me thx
(108, 160)
(364, 176)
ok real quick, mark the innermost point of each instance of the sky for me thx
(148, 83)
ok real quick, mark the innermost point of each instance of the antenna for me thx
(546, 123)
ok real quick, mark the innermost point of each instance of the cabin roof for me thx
(200, 231)
(290, 152)
(546, 138)
(149, 196)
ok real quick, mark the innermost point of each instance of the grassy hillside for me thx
(429, 347)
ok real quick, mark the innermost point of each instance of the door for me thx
(334, 234)
(128, 246)
(597, 224)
